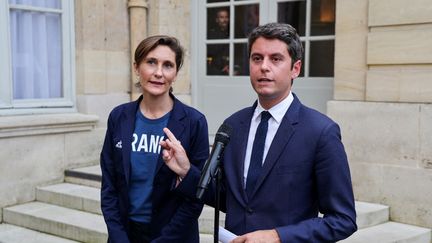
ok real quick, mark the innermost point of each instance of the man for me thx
(218, 54)
(221, 30)
(302, 166)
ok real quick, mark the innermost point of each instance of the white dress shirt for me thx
(277, 112)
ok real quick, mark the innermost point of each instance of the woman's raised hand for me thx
(174, 154)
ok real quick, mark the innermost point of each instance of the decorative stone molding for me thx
(16, 126)
(137, 4)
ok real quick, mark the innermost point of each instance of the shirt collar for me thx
(278, 111)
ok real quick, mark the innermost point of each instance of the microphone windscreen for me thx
(223, 134)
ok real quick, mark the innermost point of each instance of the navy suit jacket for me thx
(305, 172)
(174, 217)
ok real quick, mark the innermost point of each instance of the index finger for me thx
(170, 135)
(238, 239)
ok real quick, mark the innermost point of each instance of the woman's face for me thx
(157, 71)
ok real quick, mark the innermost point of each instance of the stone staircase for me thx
(70, 212)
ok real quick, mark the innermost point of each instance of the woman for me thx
(137, 197)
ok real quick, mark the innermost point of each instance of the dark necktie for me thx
(257, 153)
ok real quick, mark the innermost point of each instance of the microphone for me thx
(221, 140)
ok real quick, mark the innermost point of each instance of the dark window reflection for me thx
(216, 1)
(246, 19)
(241, 60)
(217, 59)
(293, 13)
(218, 23)
(321, 58)
(323, 17)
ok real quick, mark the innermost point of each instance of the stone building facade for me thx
(382, 100)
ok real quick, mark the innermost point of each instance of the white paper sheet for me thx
(225, 236)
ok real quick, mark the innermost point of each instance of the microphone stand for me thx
(218, 176)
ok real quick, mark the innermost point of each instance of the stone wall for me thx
(172, 17)
(383, 91)
(36, 149)
(389, 149)
(102, 56)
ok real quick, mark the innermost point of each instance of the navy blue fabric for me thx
(139, 232)
(257, 153)
(174, 217)
(305, 172)
(144, 156)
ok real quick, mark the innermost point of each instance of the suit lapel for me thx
(235, 169)
(127, 129)
(242, 145)
(280, 141)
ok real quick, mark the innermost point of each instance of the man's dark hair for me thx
(280, 31)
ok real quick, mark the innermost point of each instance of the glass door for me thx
(315, 23)
(220, 57)
(223, 85)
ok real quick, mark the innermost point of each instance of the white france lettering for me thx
(154, 143)
(135, 139)
(143, 143)
(159, 147)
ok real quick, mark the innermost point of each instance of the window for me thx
(228, 25)
(36, 71)
(315, 23)
(220, 82)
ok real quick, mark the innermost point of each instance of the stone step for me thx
(84, 198)
(206, 238)
(14, 234)
(206, 220)
(88, 176)
(63, 222)
(370, 214)
(73, 224)
(391, 232)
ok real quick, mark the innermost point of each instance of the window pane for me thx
(36, 55)
(246, 19)
(241, 60)
(293, 13)
(217, 59)
(217, 23)
(323, 17)
(39, 3)
(321, 58)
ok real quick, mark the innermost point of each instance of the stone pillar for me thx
(138, 31)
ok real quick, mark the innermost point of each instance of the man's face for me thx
(222, 19)
(270, 70)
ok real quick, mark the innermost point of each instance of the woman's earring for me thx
(138, 78)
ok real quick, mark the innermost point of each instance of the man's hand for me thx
(174, 154)
(260, 236)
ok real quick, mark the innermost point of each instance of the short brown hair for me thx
(150, 43)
